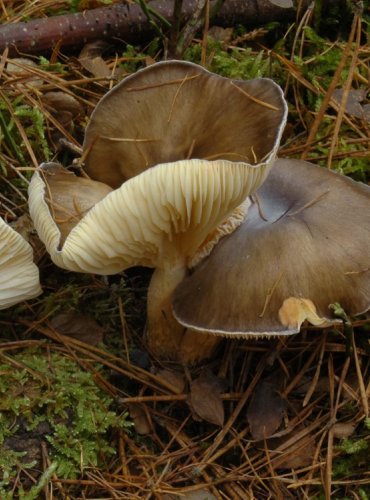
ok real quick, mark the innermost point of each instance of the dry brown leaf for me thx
(366, 111)
(90, 59)
(176, 379)
(266, 410)
(343, 430)
(79, 327)
(24, 226)
(297, 456)
(321, 387)
(351, 388)
(299, 453)
(205, 398)
(18, 67)
(353, 104)
(139, 418)
(62, 106)
(220, 34)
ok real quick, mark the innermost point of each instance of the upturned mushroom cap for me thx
(177, 110)
(153, 219)
(304, 245)
(19, 276)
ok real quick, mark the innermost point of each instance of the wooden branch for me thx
(125, 22)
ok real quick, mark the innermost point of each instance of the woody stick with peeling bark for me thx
(126, 22)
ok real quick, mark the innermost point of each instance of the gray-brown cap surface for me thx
(304, 245)
(176, 110)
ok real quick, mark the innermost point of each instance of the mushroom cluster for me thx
(176, 162)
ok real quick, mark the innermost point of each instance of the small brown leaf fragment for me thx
(366, 110)
(79, 327)
(62, 106)
(205, 398)
(300, 457)
(177, 380)
(90, 59)
(139, 418)
(24, 226)
(321, 387)
(220, 34)
(21, 67)
(343, 430)
(299, 453)
(266, 410)
(353, 104)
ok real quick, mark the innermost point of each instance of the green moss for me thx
(233, 63)
(45, 64)
(353, 455)
(33, 123)
(134, 59)
(48, 397)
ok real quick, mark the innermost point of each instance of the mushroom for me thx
(176, 110)
(19, 276)
(304, 245)
(210, 142)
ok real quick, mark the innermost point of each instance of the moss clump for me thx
(46, 397)
(353, 459)
(240, 63)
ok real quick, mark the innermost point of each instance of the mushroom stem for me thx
(196, 346)
(164, 333)
(166, 338)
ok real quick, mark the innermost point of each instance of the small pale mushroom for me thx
(193, 146)
(305, 244)
(19, 276)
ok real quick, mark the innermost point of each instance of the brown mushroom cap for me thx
(177, 110)
(304, 245)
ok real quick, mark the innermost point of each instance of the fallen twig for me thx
(126, 22)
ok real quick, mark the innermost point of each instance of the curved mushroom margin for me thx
(159, 216)
(19, 276)
(176, 110)
(304, 245)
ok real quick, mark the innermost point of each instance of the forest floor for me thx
(85, 411)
